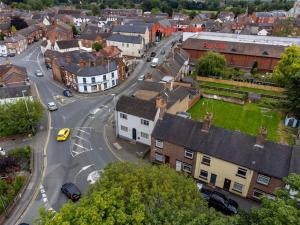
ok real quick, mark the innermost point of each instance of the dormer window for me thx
(265, 53)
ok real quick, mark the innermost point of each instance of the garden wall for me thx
(241, 84)
(224, 98)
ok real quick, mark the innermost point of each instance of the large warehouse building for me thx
(241, 51)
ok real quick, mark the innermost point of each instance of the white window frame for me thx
(241, 169)
(145, 122)
(159, 157)
(261, 179)
(124, 128)
(188, 154)
(257, 191)
(185, 165)
(203, 177)
(144, 135)
(123, 116)
(207, 158)
(159, 143)
(236, 185)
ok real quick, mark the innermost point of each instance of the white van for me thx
(154, 62)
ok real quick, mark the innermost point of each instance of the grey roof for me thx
(295, 160)
(137, 107)
(5, 26)
(89, 71)
(128, 28)
(16, 38)
(93, 35)
(165, 23)
(67, 44)
(230, 146)
(126, 38)
(13, 92)
(28, 30)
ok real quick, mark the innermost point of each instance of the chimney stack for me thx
(81, 63)
(261, 138)
(161, 105)
(169, 85)
(207, 122)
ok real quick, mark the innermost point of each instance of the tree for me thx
(2, 35)
(282, 210)
(13, 29)
(192, 14)
(97, 46)
(75, 31)
(138, 194)
(211, 64)
(287, 74)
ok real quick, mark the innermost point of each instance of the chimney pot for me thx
(161, 105)
(207, 122)
(261, 138)
(169, 85)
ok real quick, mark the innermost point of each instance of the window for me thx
(85, 88)
(144, 135)
(93, 80)
(241, 172)
(104, 77)
(112, 75)
(123, 128)
(187, 168)
(205, 160)
(105, 86)
(159, 157)
(123, 116)
(188, 154)
(257, 193)
(238, 187)
(84, 80)
(159, 144)
(113, 83)
(127, 45)
(145, 122)
(94, 87)
(203, 174)
(262, 179)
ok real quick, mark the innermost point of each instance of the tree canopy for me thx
(97, 46)
(138, 194)
(211, 64)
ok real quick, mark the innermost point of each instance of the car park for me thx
(52, 106)
(71, 191)
(67, 93)
(63, 134)
(38, 73)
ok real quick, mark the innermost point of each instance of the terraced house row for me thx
(242, 164)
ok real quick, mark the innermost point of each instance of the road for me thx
(86, 149)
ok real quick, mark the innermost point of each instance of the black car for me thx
(153, 54)
(48, 66)
(148, 59)
(11, 54)
(71, 191)
(219, 201)
(67, 93)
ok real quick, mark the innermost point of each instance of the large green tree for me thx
(211, 64)
(19, 117)
(97, 46)
(287, 74)
(138, 194)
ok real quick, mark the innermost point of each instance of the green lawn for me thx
(246, 119)
(255, 90)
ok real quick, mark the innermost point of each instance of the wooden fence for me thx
(242, 84)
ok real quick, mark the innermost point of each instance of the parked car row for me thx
(8, 55)
(218, 200)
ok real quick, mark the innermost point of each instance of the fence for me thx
(242, 84)
(224, 98)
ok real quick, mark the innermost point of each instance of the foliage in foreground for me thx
(134, 194)
(15, 119)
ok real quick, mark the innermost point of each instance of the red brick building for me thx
(240, 51)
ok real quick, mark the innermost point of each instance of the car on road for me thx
(23, 223)
(163, 51)
(67, 93)
(223, 204)
(154, 62)
(206, 192)
(148, 59)
(71, 191)
(141, 77)
(63, 134)
(38, 73)
(52, 106)
(153, 54)
(48, 66)
(2, 152)
(11, 54)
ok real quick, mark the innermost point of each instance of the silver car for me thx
(52, 106)
(38, 73)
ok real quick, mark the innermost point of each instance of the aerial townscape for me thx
(148, 112)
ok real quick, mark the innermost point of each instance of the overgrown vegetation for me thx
(20, 117)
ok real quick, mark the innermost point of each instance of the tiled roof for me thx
(230, 146)
(137, 107)
(125, 38)
(65, 44)
(127, 28)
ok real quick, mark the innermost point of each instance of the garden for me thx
(14, 171)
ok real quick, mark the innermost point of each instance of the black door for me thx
(134, 134)
(213, 179)
(226, 184)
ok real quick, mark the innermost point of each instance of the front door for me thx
(134, 134)
(213, 179)
(226, 184)
(167, 159)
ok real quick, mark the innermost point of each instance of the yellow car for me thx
(63, 134)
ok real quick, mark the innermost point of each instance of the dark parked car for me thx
(11, 54)
(71, 191)
(221, 203)
(148, 59)
(67, 93)
(206, 192)
(153, 54)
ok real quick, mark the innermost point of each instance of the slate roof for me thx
(93, 36)
(125, 38)
(16, 38)
(295, 160)
(65, 44)
(137, 107)
(5, 26)
(127, 28)
(231, 146)
(13, 92)
(28, 30)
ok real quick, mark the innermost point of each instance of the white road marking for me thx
(81, 130)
